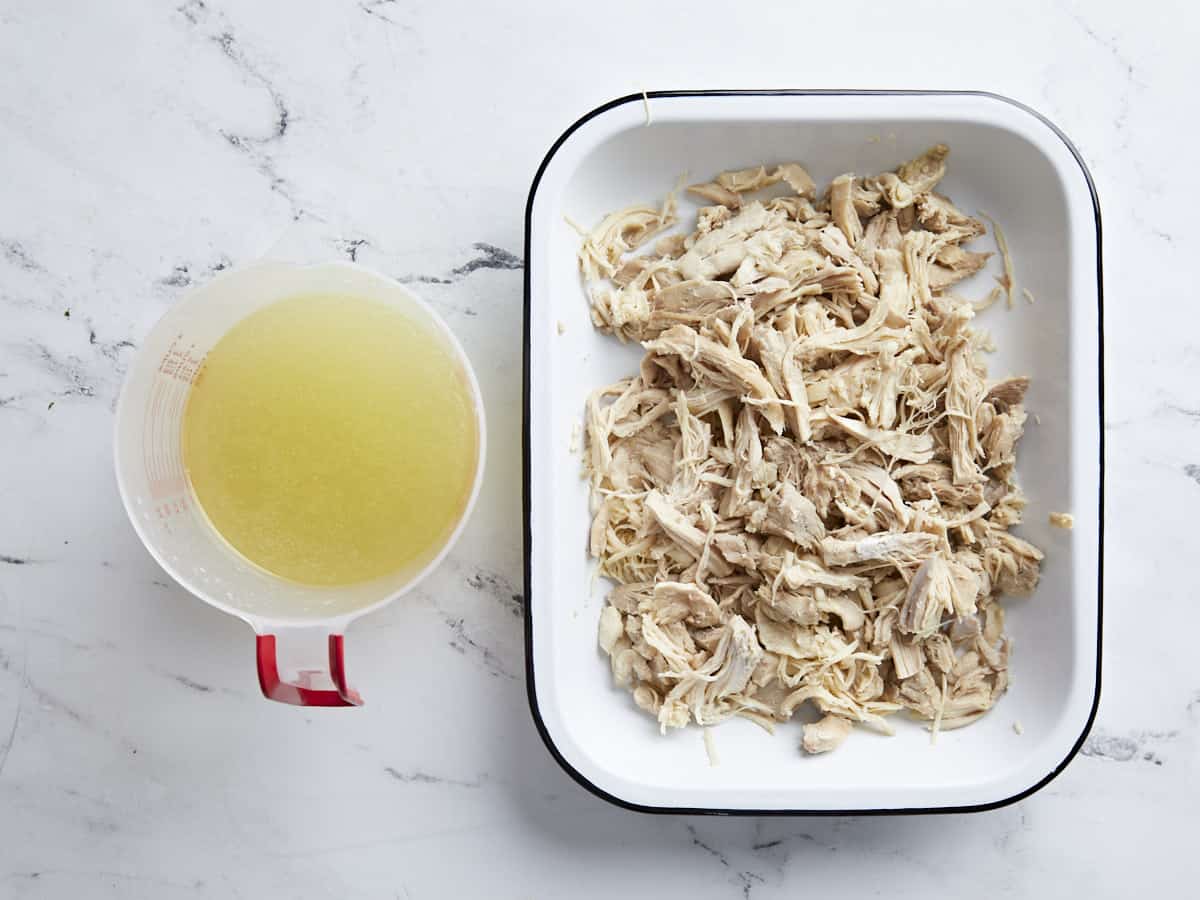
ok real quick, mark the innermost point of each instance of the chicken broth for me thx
(331, 440)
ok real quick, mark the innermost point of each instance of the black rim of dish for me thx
(530, 684)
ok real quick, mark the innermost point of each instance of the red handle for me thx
(303, 692)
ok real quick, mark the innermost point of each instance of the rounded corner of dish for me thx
(1047, 127)
(568, 754)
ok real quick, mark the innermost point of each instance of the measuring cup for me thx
(299, 628)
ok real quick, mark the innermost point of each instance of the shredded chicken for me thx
(826, 734)
(1005, 281)
(805, 492)
(710, 748)
(1062, 520)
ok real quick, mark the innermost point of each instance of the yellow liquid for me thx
(331, 440)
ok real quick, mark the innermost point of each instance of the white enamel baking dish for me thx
(1005, 160)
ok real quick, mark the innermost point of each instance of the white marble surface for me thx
(145, 145)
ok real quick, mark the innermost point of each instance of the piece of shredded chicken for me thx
(804, 495)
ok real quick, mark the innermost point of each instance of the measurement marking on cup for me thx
(149, 444)
(157, 432)
(177, 370)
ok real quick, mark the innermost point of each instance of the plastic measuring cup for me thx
(300, 624)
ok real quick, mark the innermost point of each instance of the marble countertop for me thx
(148, 145)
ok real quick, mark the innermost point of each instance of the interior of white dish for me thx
(1004, 162)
